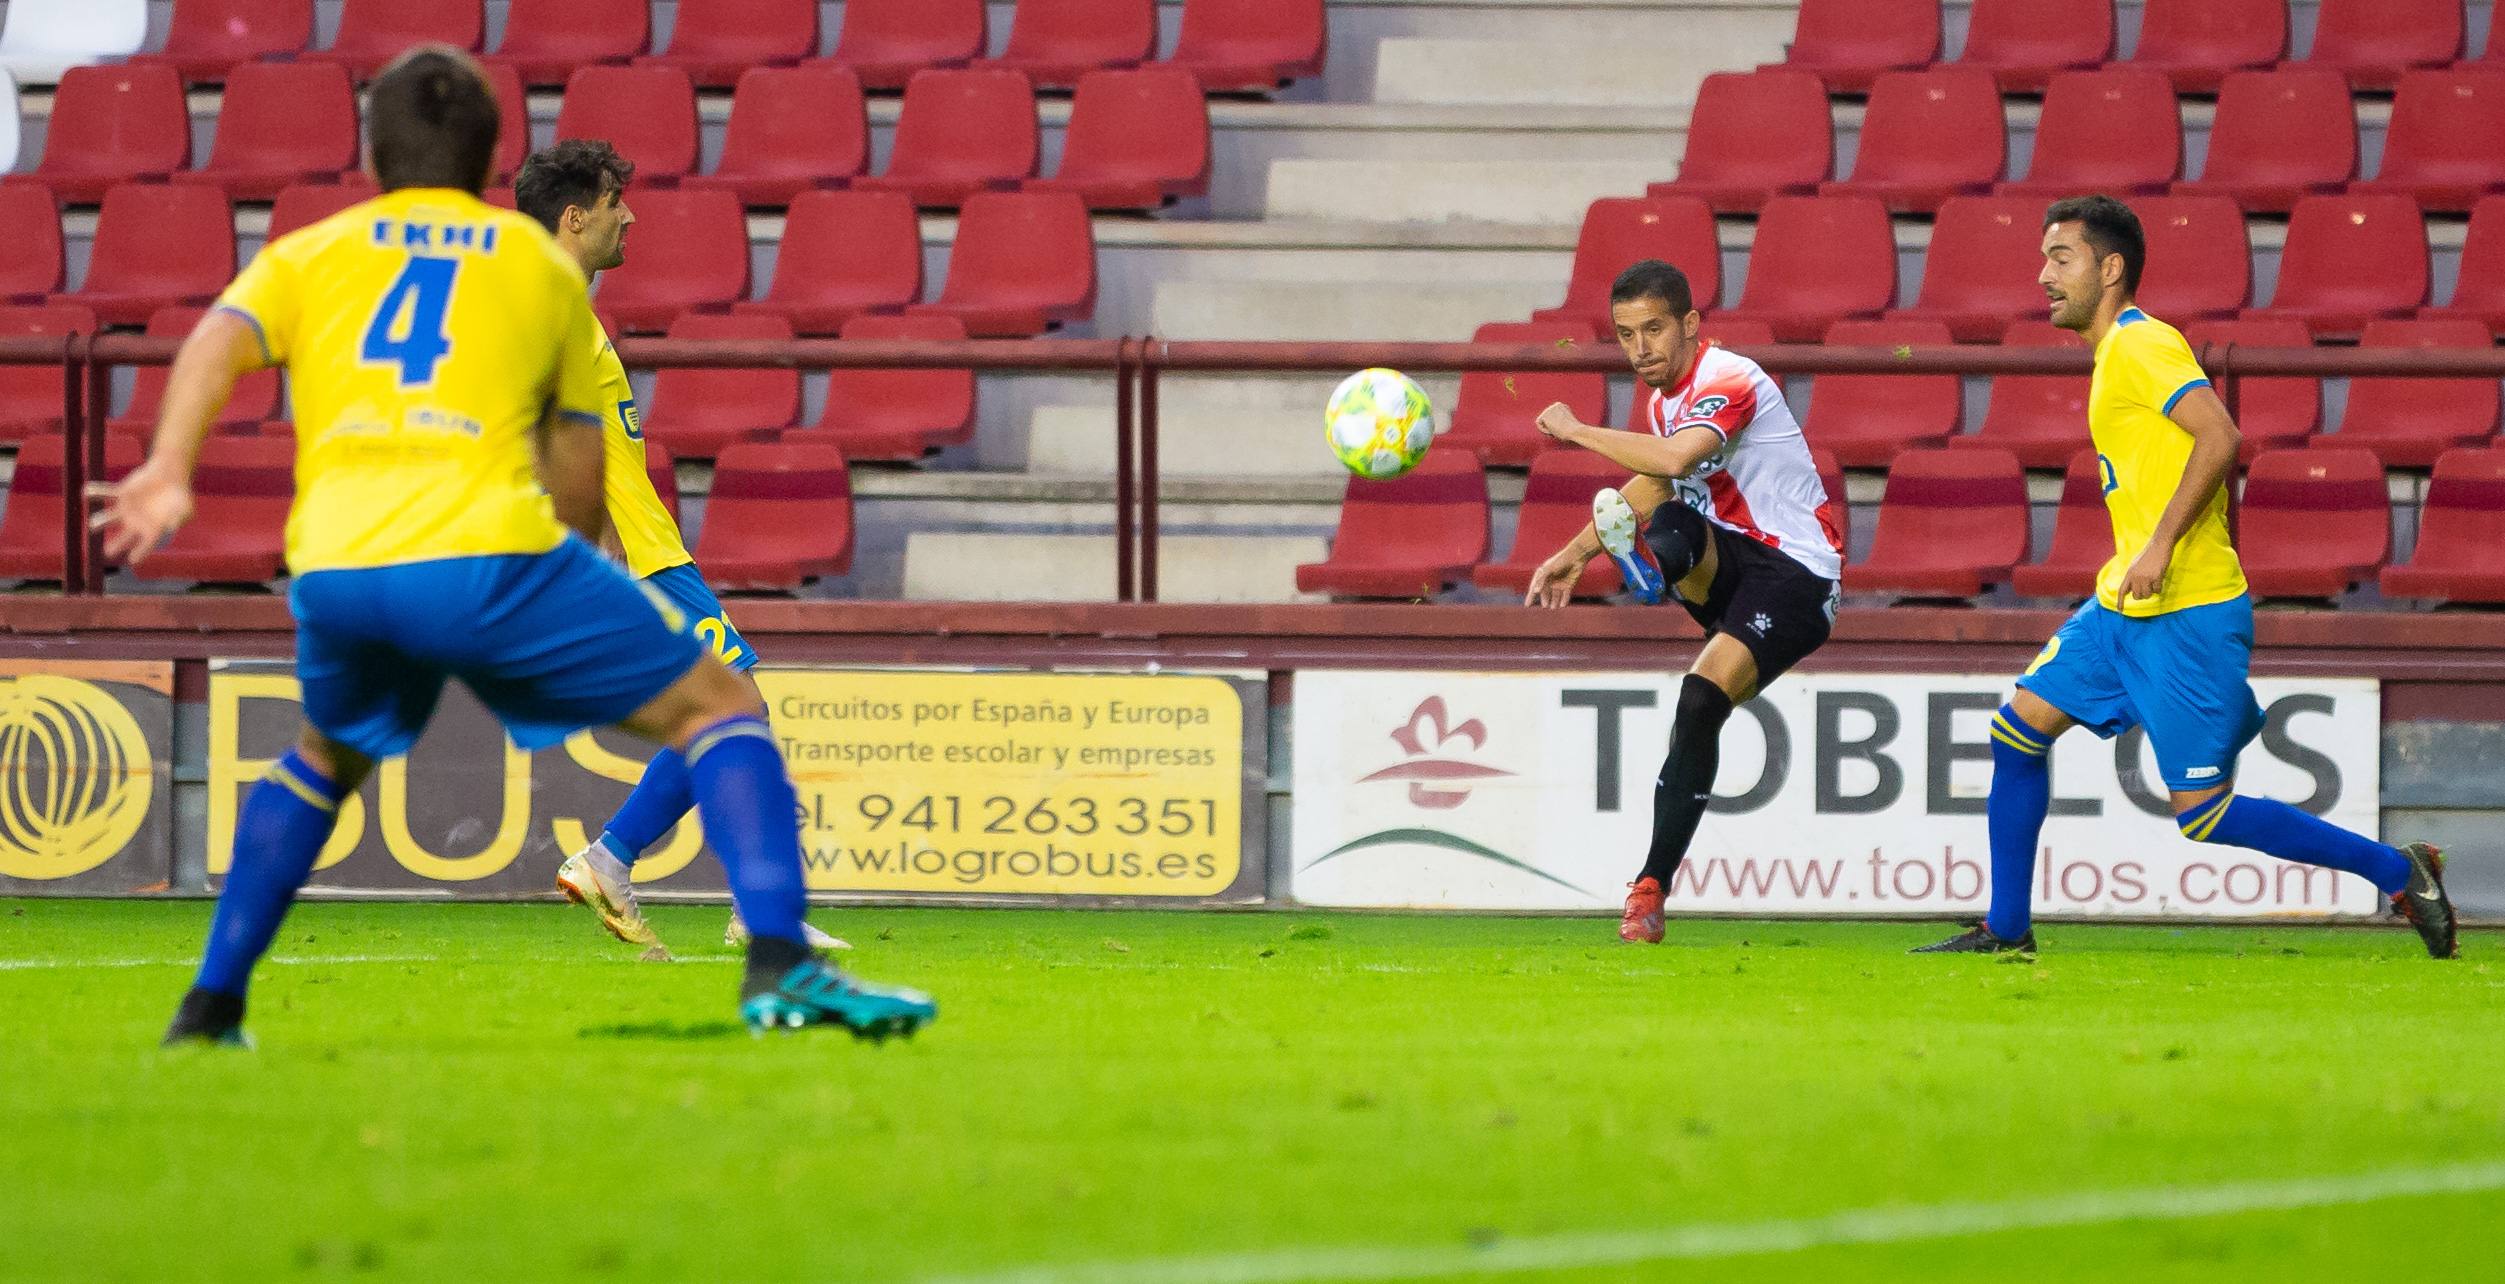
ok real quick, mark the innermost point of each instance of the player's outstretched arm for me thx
(1553, 584)
(148, 506)
(570, 463)
(2215, 442)
(1676, 455)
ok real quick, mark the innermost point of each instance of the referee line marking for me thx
(1893, 1225)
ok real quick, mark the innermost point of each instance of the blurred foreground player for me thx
(1726, 511)
(577, 190)
(2167, 641)
(443, 376)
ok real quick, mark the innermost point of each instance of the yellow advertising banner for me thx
(910, 782)
(85, 751)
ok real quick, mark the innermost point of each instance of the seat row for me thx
(2023, 43)
(2311, 525)
(2278, 136)
(1227, 45)
(1137, 139)
(1021, 263)
(1816, 260)
(779, 515)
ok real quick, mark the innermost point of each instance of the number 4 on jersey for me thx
(408, 329)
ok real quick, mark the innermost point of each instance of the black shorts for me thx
(1777, 608)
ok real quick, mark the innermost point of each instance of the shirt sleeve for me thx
(265, 294)
(1725, 405)
(2165, 367)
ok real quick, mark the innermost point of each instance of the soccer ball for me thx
(1379, 423)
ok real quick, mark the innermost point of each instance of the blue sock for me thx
(2277, 829)
(278, 835)
(2022, 792)
(661, 798)
(746, 801)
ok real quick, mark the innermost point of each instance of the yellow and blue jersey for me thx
(2143, 368)
(647, 537)
(426, 335)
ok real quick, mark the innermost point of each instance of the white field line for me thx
(1587, 1249)
(23, 965)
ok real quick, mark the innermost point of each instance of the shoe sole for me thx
(599, 903)
(1613, 519)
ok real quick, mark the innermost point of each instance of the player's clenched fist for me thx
(1557, 421)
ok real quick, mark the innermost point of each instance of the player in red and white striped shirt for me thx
(1727, 510)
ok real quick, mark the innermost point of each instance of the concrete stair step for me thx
(1400, 190)
(986, 567)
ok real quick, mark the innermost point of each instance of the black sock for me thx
(1676, 533)
(769, 957)
(1686, 781)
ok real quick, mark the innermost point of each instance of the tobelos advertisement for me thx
(1837, 794)
(1057, 784)
(86, 797)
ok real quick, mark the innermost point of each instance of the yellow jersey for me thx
(2143, 367)
(426, 334)
(646, 535)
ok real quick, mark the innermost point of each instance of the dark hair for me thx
(2109, 227)
(1654, 279)
(576, 172)
(432, 121)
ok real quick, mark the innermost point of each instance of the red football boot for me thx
(1642, 921)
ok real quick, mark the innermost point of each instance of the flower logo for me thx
(1434, 746)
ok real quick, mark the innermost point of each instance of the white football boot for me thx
(595, 878)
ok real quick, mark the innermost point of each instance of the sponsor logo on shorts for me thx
(2200, 773)
(1762, 623)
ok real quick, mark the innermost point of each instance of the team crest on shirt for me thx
(1707, 407)
(633, 422)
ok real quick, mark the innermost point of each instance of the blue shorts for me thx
(2181, 675)
(551, 642)
(688, 591)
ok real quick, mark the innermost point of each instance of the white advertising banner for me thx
(1838, 794)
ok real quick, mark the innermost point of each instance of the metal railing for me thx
(1139, 363)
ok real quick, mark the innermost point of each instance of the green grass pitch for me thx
(496, 1091)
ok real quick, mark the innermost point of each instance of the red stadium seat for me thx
(1928, 136)
(2023, 43)
(2408, 422)
(157, 245)
(2200, 260)
(2348, 260)
(2461, 533)
(1556, 506)
(282, 123)
(1868, 419)
(2479, 287)
(2042, 419)
(30, 396)
(112, 125)
(1722, 328)
(2313, 523)
(1752, 136)
(698, 411)
(1411, 536)
(884, 414)
(687, 250)
(1137, 140)
(1980, 272)
(2372, 42)
(373, 32)
(206, 37)
(792, 130)
(662, 471)
(885, 41)
(2273, 413)
(1817, 260)
(1054, 42)
(1022, 263)
(254, 401)
(2197, 42)
(648, 112)
(718, 41)
(1234, 45)
(2279, 136)
(30, 225)
(961, 132)
(2115, 130)
(305, 204)
(1952, 524)
(2083, 536)
(1617, 231)
(1493, 411)
(2446, 144)
(546, 41)
(237, 533)
(843, 253)
(1848, 43)
(779, 515)
(30, 526)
